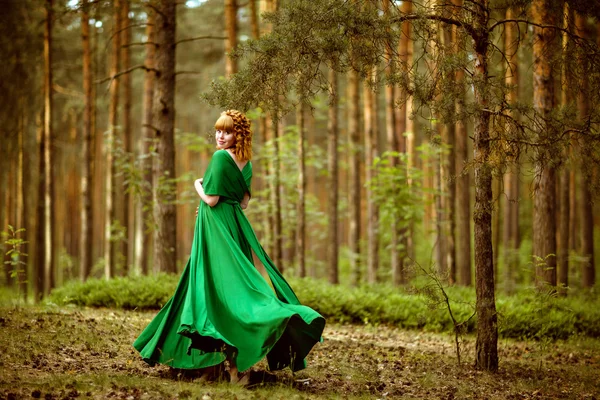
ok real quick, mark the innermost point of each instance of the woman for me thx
(223, 309)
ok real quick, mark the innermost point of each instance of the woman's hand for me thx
(211, 200)
(245, 200)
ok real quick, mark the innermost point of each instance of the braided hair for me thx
(236, 122)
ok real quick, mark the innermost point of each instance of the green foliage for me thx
(305, 35)
(400, 193)
(135, 292)
(528, 315)
(13, 243)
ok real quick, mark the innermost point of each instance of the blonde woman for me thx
(223, 309)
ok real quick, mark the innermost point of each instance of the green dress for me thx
(222, 304)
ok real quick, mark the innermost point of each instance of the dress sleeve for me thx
(214, 182)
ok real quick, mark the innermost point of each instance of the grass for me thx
(70, 352)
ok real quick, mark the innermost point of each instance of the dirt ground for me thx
(66, 353)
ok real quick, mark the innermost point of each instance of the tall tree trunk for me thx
(40, 232)
(511, 178)
(127, 135)
(405, 131)
(144, 211)
(85, 252)
(392, 145)
(7, 203)
(496, 187)
(49, 255)
(398, 143)
(439, 214)
(588, 273)
(370, 113)
(565, 174)
(254, 27)
(435, 211)
(231, 34)
(448, 170)
(332, 169)
(164, 195)
(463, 196)
(272, 124)
(301, 209)
(23, 195)
(110, 146)
(275, 168)
(97, 156)
(486, 345)
(354, 175)
(4, 192)
(544, 12)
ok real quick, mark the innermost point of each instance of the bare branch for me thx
(200, 38)
(110, 78)
(188, 72)
(69, 92)
(525, 21)
(139, 44)
(155, 129)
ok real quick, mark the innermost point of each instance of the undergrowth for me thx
(529, 314)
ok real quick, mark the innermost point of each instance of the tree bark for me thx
(23, 195)
(144, 210)
(496, 187)
(48, 177)
(110, 145)
(275, 168)
(401, 124)
(164, 193)
(332, 169)
(588, 273)
(565, 173)
(544, 208)
(85, 252)
(354, 175)
(407, 135)
(486, 345)
(448, 173)
(254, 20)
(511, 177)
(301, 209)
(463, 196)
(40, 231)
(127, 135)
(231, 31)
(370, 113)
(391, 114)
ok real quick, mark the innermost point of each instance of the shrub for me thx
(526, 315)
(141, 292)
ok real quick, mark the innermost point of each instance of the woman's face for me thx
(224, 139)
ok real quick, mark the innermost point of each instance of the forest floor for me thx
(58, 353)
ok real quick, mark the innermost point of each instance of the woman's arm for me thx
(209, 199)
(245, 200)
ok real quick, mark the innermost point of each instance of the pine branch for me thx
(467, 27)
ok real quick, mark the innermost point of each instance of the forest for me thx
(425, 175)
